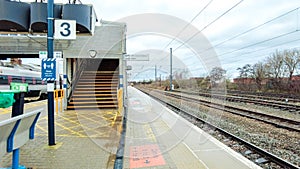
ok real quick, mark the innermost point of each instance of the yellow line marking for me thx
(68, 129)
(26, 106)
(5, 111)
(54, 147)
(73, 136)
(149, 133)
(90, 119)
(114, 121)
(72, 121)
(41, 128)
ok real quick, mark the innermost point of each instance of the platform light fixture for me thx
(92, 53)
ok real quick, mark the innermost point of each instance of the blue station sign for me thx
(49, 69)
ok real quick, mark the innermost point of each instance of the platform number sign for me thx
(65, 29)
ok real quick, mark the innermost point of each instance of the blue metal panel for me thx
(31, 129)
(10, 139)
(14, 16)
(38, 16)
(81, 13)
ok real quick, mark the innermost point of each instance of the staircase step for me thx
(101, 72)
(102, 79)
(91, 106)
(109, 82)
(97, 80)
(83, 99)
(98, 85)
(100, 76)
(95, 88)
(97, 91)
(95, 102)
(89, 95)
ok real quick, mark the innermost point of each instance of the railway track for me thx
(258, 100)
(250, 151)
(266, 96)
(280, 122)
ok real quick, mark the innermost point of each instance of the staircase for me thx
(95, 89)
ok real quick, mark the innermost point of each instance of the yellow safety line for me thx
(66, 135)
(84, 127)
(60, 135)
(115, 118)
(95, 120)
(72, 131)
(101, 134)
(26, 106)
(90, 119)
(55, 147)
(97, 133)
(5, 111)
(72, 121)
(149, 133)
(41, 128)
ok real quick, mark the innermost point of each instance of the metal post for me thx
(50, 84)
(15, 159)
(18, 105)
(171, 69)
(155, 74)
(159, 79)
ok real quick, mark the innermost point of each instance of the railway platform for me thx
(84, 139)
(155, 138)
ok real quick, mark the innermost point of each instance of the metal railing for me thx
(80, 66)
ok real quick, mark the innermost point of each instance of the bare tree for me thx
(259, 74)
(275, 68)
(291, 59)
(217, 75)
(245, 71)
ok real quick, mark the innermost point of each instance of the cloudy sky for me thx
(230, 26)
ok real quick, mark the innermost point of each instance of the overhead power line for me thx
(260, 42)
(205, 27)
(263, 41)
(219, 17)
(188, 24)
(251, 29)
(270, 47)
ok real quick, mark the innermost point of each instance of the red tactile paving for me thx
(145, 156)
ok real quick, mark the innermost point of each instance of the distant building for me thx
(269, 83)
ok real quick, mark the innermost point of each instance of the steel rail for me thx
(235, 110)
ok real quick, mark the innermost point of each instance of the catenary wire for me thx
(188, 24)
(205, 27)
(251, 29)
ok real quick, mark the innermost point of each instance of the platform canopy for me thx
(109, 38)
(108, 41)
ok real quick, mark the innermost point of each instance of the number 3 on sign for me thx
(65, 29)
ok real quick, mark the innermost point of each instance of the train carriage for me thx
(23, 74)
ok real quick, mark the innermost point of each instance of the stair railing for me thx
(81, 65)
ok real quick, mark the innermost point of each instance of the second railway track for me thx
(263, 101)
(280, 122)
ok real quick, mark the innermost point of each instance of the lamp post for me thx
(171, 69)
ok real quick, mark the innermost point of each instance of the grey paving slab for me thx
(84, 139)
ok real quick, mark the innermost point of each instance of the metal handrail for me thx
(79, 69)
